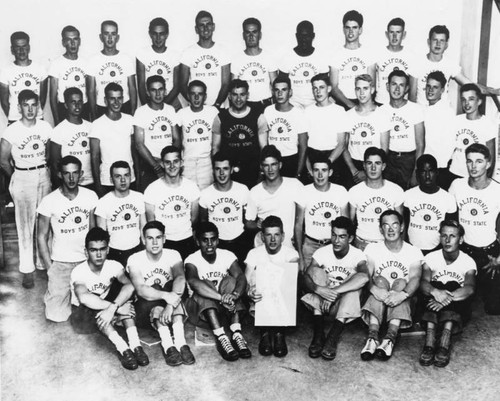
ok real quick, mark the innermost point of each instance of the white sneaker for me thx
(368, 352)
(384, 350)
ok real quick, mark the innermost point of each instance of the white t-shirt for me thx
(155, 272)
(364, 130)
(284, 128)
(477, 211)
(338, 270)
(351, 63)
(106, 69)
(115, 140)
(466, 133)
(388, 62)
(392, 265)
(281, 203)
(206, 66)
(255, 70)
(403, 121)
(19, 78)
(74, 141)
(455, 271)
(173, 206)
(215, 271)
(321, 208)
(162, 64)
(300, 70)
(427, 211)
(225, 209)
(123, 217)
(157, 126)
(439, 135)
(28, 144)
(69, 221)
(370, 203)
(196, 131)
(323, 124)
(97, 284)
(70, 74)
(423, 67)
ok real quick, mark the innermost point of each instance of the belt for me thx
(319, 241)
(399, 154)
(32, 168)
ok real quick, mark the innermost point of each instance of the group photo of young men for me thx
(174, 187)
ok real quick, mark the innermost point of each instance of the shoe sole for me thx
(367, 356)
(442, 364)
(314, 355)
(189, 362)
(425, 362)
(328, 357)
(382, 356)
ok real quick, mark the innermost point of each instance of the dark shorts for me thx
(240, 246)
(123, 255)
(185, 246)
(400, 166)
(289, 165)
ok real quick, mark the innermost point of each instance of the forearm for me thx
(43, 249)
(336, 153)
(356, 282)
(94, 302)
(340, 97)
(412, 286)
(204, 290)
(463, 293)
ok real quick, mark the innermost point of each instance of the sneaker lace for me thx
(226, 344)
(240, 341)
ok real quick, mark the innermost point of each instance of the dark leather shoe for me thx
(316, 345)
(186, 355)
(128, 360)
(442, 357)
(280, 348)
(140, 355)
(427, 356)
(265, 345)
(173, 357)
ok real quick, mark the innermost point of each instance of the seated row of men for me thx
(390, 272)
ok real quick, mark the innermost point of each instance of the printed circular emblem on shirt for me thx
(127, 216)
(306, 73)
(163, 127)
(157, 281)
(199, 131)
(27, 83)
(208, 66)
(394, 275)
(396, 128)
(378, 210)
(280, 130)
(241, 136)
(78, 219)
(112, 73)
(159, 71)
(254, 73)
(355, 68)
(395, 69)
(364, 134)
(84, 144)
(177, 208)
(339, 278)
(427, 217)
(214, 282)
(328, 215)
(466, 141)
(35, 146)
(227, 210)
(473, 212)
(77, 78)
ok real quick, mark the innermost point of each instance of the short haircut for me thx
(452, 223)
(478, 148)
(344, 223)
(69, 159)
(109, 22)
(170, 149)
(203, 14)
(155, 78)
(252, 21)
(238, 83)
(112, 87)
(158, 21)
(96, 234)
(199, 83)
(364, 77)
(374, 151)
(471, 87)
(222, 156)
(282, 79)
(272, 221)
(27, 94)
(205, 227)
(391, 212)
(69, 28)
(438, 76)
(70, 92)
(270, 151)
(399, 73)
(426, 159)
(321, 158)
(396, 22)
(119, 164)
(438, 29)
(158, 225)
(19, 35)
(323, 76)
(306, 25)
(353, 15)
